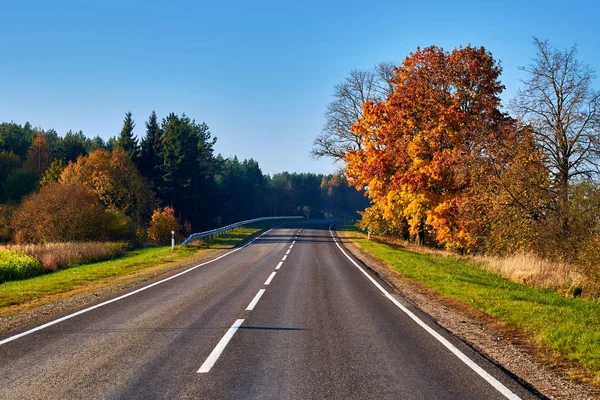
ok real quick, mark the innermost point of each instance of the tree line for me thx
(444, 164)
(71, 187)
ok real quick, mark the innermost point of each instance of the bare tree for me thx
(560, 105)
(336, 138)
(563, 111)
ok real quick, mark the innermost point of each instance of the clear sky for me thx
(258, 73)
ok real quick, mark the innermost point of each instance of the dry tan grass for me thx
(525, 268)
(533, 271)
(64, 255)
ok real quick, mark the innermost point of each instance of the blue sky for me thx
(258, 73)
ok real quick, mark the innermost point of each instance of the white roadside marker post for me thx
(172, 240)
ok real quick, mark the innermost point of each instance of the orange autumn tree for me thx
(425, 146)
(114, 179)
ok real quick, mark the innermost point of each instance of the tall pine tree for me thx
(126, 140)
(187, 170)
(150, 157)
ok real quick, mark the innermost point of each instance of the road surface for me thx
(290, 316)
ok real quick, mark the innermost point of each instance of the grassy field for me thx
(133, 264)
(559, 326)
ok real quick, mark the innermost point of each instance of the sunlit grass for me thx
(100, 274)
(566, 326)
(16, 265)
(55, 256)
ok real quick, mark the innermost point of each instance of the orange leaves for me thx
(163, 222)
(114, 179)
(422, 145)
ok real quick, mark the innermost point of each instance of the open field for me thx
(560, 328)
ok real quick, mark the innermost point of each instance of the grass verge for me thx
(55, 256)
(561, 328)
(22, 295)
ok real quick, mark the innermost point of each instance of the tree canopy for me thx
(176, 170)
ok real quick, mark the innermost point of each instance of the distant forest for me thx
(172, 165)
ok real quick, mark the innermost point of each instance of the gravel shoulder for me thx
(503, 346)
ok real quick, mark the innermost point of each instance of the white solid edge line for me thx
(284, 258)
(216, 353)
(85, 310)
(470, 363)
(270, 278)
(279, 265)
(255, 300)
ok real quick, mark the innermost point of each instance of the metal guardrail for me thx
(199, 235)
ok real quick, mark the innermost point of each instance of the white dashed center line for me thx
(216, 353)
(270, 278)
(255, 300)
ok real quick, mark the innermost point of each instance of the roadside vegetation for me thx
(54, 256)
(446, 165)
(496, 206)
(18, 265)
(136, 264)
(71, 188)
(560, 328)
(72, 200)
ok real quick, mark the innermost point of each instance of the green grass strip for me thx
(565, 325)
(20, 292)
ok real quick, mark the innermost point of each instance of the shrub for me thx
(162, 223)
(59, 213)
(16, 265)
(119, 226)
(55, 256)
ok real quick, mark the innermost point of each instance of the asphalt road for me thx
(321, 328)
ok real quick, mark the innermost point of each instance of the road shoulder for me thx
(501, 345)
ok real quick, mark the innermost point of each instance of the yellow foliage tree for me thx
(162, 223)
